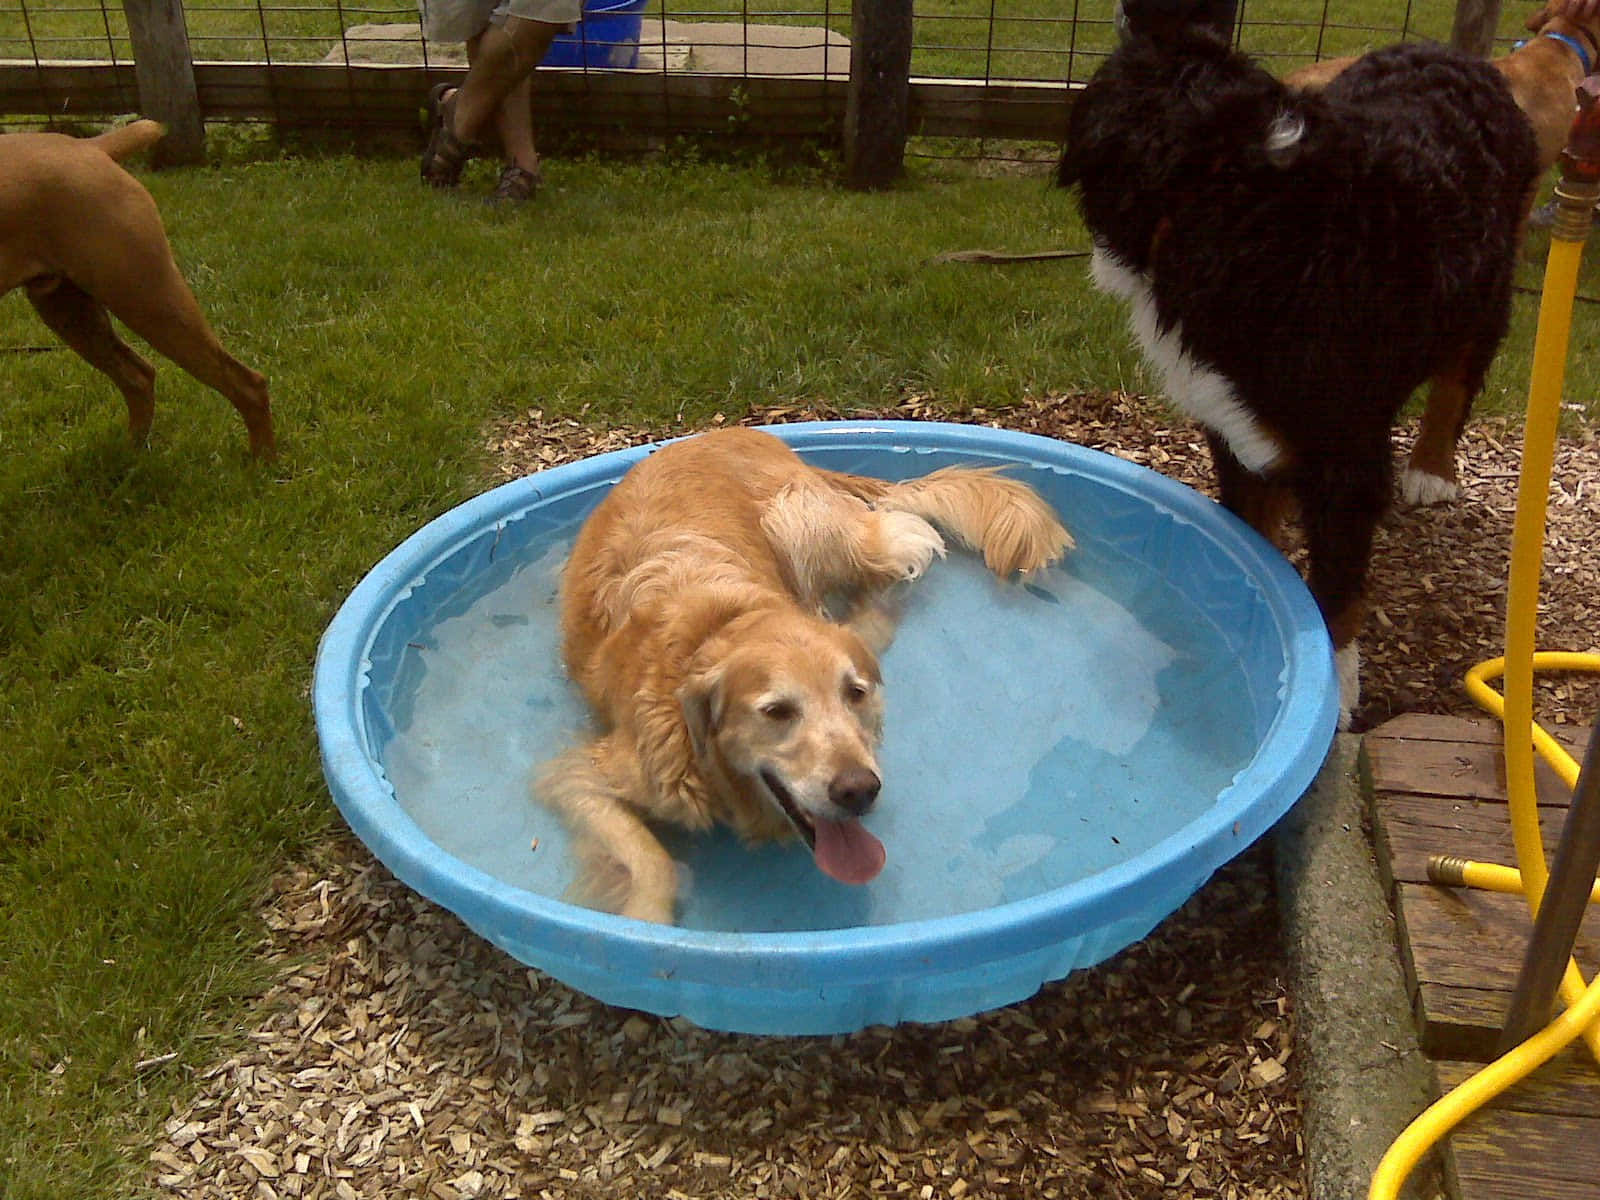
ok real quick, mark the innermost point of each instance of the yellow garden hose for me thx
(1576, 196)
(1484, 877)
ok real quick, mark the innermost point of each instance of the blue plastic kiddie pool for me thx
(1064, 762)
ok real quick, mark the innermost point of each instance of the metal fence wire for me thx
(782, 64)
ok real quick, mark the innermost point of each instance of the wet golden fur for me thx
(722, 612)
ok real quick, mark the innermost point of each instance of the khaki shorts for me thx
(551, 12)
(458, 20)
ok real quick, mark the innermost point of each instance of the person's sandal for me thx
(446, 155)
(516, 186)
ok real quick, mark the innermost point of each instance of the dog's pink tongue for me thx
(847, 852)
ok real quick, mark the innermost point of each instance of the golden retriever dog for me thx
(722, 613)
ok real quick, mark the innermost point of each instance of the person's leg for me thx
(514, 119)
(499, 89)
(502, 62)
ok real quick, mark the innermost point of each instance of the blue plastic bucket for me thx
(608, 36)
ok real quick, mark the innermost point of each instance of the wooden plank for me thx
(1427, 762)
(1409, 829)
(1435, 727)
(1485, 1177)
(1522, 1156)
(1438, 788)
(956, 108)
(165, 71)
(566, 100)
(1567, 1085)
(68, 89)
(1469, 938)
(1462, 770)
(644, 103)
(1459, 1023)
(1462, 950)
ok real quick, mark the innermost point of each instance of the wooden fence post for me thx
(877, 109)
(164, 70)
(1475, 23)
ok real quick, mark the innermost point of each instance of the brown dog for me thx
(1544, 73)
(86, 240)
(693, 617)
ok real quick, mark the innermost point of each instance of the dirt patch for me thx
(402, 1055)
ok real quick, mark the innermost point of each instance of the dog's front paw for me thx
(645, 888)
(909, 543)
(652, 909)
(1419, 488)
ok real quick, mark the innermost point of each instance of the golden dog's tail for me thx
(1006, 521)
(119, 143)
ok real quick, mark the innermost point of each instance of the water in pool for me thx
(1033, 738)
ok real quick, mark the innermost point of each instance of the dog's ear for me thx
(1286, 138)
(700, 699)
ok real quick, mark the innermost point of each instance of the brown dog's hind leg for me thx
(81, 321)
(180, 332)
(831, 541)
(147, 293)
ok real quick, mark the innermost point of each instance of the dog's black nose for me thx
(854, 789)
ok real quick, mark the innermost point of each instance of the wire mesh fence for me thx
(797, 50)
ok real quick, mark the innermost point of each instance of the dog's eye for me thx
(780, 710)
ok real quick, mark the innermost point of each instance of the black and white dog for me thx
(1298, 263)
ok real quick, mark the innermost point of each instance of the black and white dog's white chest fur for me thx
(1297, 264)
(1202, 391)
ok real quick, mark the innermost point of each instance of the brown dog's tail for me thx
(1006, 521)
(119, 143)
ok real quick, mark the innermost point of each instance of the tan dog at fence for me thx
(84, 238)
(1544, 73)
(695, 617)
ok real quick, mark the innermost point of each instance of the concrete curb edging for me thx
(1363, 1075)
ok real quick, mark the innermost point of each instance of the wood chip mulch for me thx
(400, 1055)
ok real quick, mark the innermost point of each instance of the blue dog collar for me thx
(1576, 47)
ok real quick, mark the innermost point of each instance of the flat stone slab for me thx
(711, 47)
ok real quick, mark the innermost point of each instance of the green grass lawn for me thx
(159, 610)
